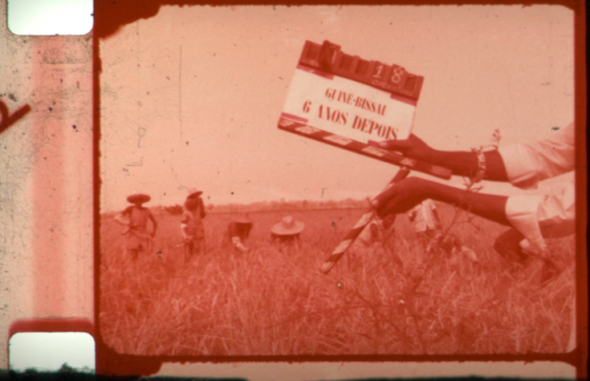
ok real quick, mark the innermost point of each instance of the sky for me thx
(50, 17)
(48, 351)
(192, 97)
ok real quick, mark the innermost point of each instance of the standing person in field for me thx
(191, 224)
(287, 230)
(136, 217)
(531, 218)
(238, 231)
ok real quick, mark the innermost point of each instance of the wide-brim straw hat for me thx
(138, 198)
(193, 192)
(243, 219)
(288, 226)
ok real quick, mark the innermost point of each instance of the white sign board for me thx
(347, 108)
(348, 102)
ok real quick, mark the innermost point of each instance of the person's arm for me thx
(462, 163)
(412, 214)
(247, 230)
(121, 217)
(408, 193)
(155, 224)
(202, 207)
(534, 161)
(184, 224)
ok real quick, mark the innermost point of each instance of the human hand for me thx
(412, 147)
(401, 196)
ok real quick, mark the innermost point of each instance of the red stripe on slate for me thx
(294, 118)
(400, 98)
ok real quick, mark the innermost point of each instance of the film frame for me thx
(146, 365)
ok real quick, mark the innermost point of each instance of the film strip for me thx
(62, 259)
(287, 123)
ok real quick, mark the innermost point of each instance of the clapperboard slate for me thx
(346, 101)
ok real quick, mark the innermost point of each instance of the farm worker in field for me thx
(427, 223)
(238, 231)
(287, 230)
(377, 231)
(426, 220)
(136, 217)
(532, 218)
(191, 223)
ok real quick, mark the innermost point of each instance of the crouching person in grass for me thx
(531, 218)
(287, 232)
(136, 218)
(191, 224)
(238, 232)
(426, 221)
(429, 231)
(377, 233)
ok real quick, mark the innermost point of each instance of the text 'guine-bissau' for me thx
(358, 123)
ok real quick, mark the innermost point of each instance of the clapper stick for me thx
(358, 228)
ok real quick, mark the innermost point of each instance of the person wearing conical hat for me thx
(287, 230)
(193, 193)
(238, 231)
(191, 224)
(136, 218)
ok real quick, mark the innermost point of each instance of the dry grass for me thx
(394, 299)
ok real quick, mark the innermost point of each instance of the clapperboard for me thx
(346, 101)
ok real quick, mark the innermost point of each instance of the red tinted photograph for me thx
(310, 191)
(338, 180)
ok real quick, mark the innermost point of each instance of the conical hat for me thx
(138, 198)
(193, 192)
(288, 226)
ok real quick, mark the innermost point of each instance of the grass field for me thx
(391, 299)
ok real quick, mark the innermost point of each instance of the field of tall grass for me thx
(393, 298)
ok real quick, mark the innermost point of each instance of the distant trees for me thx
(268, 206)
(282, 205)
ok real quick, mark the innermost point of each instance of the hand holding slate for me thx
(461, 163)
(413, 147)
(401, 197)
(409, 192)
